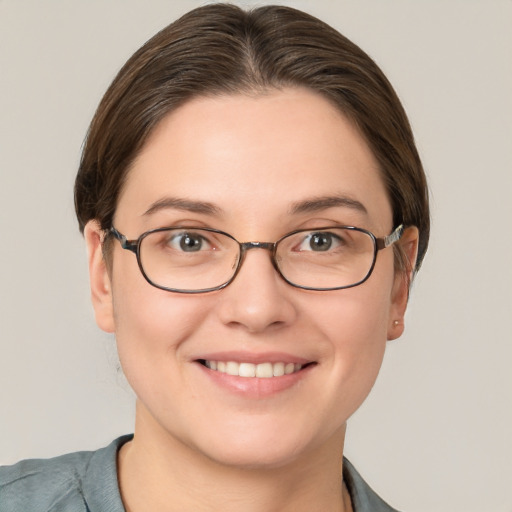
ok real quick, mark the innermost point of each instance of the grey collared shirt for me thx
(87, 482)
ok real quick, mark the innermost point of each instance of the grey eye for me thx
(320, 241)
(191, 243)
(187, 242)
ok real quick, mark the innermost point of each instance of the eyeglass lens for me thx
(188, 259)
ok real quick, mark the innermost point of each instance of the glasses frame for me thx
(378, 244)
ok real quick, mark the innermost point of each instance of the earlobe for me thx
(99, 278)
(403, 278)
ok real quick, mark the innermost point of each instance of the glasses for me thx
(187, 259)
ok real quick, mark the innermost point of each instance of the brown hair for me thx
(222, 49)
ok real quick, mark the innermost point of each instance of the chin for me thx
(255, 457)
(264, 446)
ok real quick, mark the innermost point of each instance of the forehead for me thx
(253, 155)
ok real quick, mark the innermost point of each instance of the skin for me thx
(201, 446)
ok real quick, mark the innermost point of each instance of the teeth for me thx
(278, 369)
(232, 368)
(246, 370)
(262, 370)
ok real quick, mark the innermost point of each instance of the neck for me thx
(159, 472)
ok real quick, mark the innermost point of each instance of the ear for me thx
(99, 278)
(400, 293)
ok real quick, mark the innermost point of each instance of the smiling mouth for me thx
(261, 370)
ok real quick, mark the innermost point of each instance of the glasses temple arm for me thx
(129, 245)
(386, 241)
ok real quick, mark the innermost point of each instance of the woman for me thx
(254, 209)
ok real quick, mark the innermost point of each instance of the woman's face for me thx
(256, 167)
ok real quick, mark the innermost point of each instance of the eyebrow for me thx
(316, 204)
(313, 204)
(177, 203)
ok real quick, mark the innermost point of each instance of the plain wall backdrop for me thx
(435, 434)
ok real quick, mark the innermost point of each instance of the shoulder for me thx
(364, 498)
(60, 483)
(39, 484)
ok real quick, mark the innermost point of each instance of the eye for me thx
(320, 241)
(188, 242)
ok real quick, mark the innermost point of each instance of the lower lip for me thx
(254, 387)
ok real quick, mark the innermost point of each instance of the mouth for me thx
(264, 370)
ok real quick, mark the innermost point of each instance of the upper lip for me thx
(252, 357)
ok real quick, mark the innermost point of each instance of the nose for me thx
(258, 299)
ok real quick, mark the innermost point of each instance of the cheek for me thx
(358, 338)
(151, 324)
(356, 319)
(354, 330)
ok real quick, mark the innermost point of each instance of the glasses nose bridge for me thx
(247, 246)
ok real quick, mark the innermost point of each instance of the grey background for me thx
(435, 433)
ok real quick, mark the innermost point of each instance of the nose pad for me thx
(258, 298)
